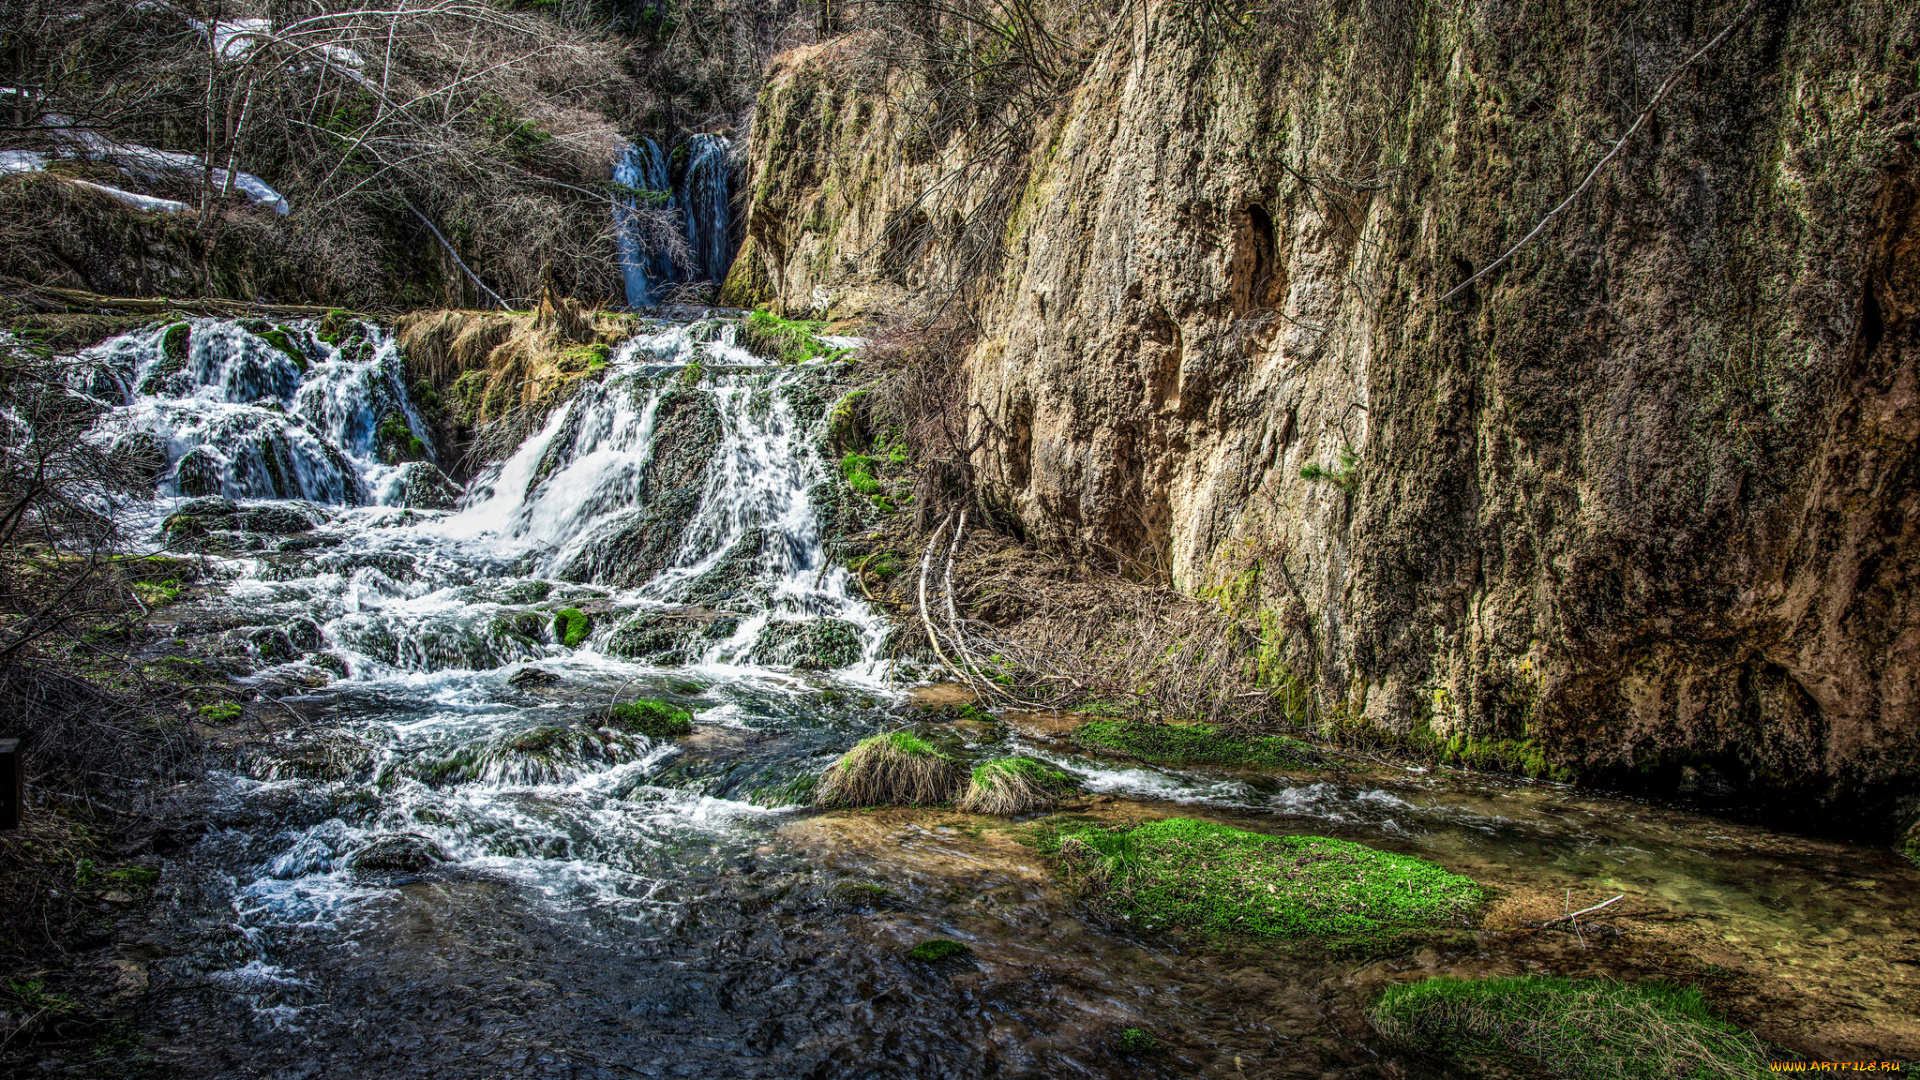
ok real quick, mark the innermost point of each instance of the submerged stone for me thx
(407, 853)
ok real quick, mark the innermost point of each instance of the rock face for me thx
(1646, 495)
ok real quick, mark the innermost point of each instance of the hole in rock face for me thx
(1254, 280)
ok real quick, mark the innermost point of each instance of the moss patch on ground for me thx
(1190, 744)
(1576, 1029)
(650, 717)
(787, 341)
(1219, 880)
(932, 952)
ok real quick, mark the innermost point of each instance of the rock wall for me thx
(1645, 497)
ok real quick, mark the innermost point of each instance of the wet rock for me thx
(305, 635)
(733, 583)
(271, 644)
(533, 678)
(670, 637)
(634, 548)
(816, 645)
(274, 520)
(422, 486)
(396, 853)
(197, 472)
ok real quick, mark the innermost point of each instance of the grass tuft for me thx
(1134, 1041)
(650, 717)
(1190, 744)
(1573, 1029)
(896, 769)
(932, 952)
(1014, 785)
(1220, 880)
(571, 626)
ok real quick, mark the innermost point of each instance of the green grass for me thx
(571, 626)
(1574, 1029)
(1190, 744)
(858, 470)
(898, 768)
(1134, 1041)
(1014, 785)
(932, 952)
(1218, 880)
(652, 718)
(1345, 476)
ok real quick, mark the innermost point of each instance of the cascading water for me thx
(704, 193)
(701, 201)
(642, 168)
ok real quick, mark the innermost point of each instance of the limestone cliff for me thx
(1646, 495)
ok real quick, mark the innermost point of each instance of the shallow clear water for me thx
(583, 902)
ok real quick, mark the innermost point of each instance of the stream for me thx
(427, 856)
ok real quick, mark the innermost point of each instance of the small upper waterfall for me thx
(643, 169)
(694, 183)
(704, 194)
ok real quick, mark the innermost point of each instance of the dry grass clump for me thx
(1014, 785)
(1576, 1029)
(896, 769)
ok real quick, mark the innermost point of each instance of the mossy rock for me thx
(395, 442)
(406, 853)
(651, 717)
(632, 549)
(814, 645)
(571, 627)
(1191, 744)
(1218, 880)
(422, 486)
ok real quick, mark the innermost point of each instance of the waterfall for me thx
(704, 194)
(248, 410)
(677, 494)
(642, 168)
(702, 200)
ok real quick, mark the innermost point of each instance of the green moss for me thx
(858, 470)
(1190, 744)
(999, 770)
(1574, 1029)
(540, 741)
(883, 567)
(335, 327)
(1524, 757)
(220, 712)
(787, 341)
(571, 626)
(1345, 476)
(1134, 1041)
(395, 441)
(1220, 880)
(651, 717)
(132, 877)
(278, 338)
(175, 343)
(936, 950)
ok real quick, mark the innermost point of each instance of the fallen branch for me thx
(1673, 80)
(933, 638)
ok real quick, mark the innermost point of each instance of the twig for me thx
(1673, 80)
(495, 297)
(1572, 915)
